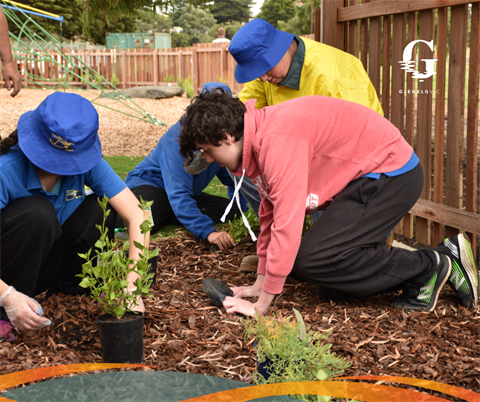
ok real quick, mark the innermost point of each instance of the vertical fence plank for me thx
(331, 31)
(440, 88)
(353, 34)
(124, 70)
(472, 122)
(364, 43)
(386, 65)
(455, 129)
(398, 81)
(195, 73)
(374, 51)
(424, 123)
(409, 112)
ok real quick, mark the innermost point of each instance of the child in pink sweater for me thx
(320, 153)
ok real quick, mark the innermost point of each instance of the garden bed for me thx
(185, 332)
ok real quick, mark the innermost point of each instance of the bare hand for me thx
(241, 306)
(12, 77)
(246, 291)
(222, 239)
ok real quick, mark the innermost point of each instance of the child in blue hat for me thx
(47, 217)
(178, 195)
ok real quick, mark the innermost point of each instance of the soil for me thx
(185, 332)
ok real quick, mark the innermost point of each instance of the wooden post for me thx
(180, 61)
(353, 34)
(155, 67)
(439, 160)
(455, 129)
(472, 122)
(374, 49)
(387, 45)
(124, 69)
(318, 18)
(195, 72)
(331, 31)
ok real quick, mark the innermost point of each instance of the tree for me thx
(181, 39)
(151, 21)
(300, 23)
(231, 10)
(72, 26)
(273, 11)
(196, 22)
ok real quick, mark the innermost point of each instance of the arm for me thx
(126, 205)
(10, 73)
(281, 220)
(179, 187)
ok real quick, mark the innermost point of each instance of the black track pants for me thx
(344, 252)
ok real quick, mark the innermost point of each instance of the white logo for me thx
(409, 64)
(312, 202)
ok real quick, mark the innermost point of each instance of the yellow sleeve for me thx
(254, 90)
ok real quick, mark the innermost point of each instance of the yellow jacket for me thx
(326, 71)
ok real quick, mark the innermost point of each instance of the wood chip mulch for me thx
(185, 332)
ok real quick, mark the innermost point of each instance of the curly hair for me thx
(210, 116)
(8, 142)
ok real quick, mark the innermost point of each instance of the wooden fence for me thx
(203, 62)
(438, 115)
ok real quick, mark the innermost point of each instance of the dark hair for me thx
(210, 116)
(8, 142)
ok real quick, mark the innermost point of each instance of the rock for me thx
(154, 92)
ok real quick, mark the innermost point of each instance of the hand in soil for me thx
(216, 290)
(222, 239)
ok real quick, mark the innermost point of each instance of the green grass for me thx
(122, 165)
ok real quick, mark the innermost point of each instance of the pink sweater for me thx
(301, 154)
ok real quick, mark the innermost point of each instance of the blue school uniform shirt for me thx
(164, 168)
(19, 179)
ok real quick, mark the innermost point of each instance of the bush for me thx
(187, 85)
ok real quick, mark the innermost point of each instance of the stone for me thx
(154, 92)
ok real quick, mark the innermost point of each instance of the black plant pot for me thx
(122, 340)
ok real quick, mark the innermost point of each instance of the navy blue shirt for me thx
(19, 179)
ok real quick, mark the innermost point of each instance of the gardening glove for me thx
(139, 307)
(24, 312)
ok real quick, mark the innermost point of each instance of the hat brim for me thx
(50, 158)
(249, 72)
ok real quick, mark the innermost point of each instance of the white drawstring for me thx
(237, 198)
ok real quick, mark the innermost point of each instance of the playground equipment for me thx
(35, 46)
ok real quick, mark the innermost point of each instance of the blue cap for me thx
(211, 86)
(257, 47)
(61, 135)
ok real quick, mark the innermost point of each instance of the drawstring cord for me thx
(236, 198)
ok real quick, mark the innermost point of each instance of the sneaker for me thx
(6, 331)
(249, 264)
(424, 296)
(464, 276)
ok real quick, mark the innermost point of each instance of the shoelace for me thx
(237, 198)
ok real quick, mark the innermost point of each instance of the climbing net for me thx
(46, 63)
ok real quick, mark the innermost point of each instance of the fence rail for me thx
(438, 116)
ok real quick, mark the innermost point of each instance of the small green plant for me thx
(222, 80)
(294, 352)
(187, 85)
(170, 78)
(105, 274)
(237, 229)
(114, 80)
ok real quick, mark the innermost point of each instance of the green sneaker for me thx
(424, 296)
(464, 276)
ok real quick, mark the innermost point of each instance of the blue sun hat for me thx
(257, 47)
(61, 135)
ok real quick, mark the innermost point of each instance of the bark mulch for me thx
(185, 332)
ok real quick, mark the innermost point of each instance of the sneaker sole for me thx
(468, 261)
(443, 280)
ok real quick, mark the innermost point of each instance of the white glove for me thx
(24, 312)
(139, 307)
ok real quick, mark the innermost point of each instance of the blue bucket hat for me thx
(257, 47)
(61, 135)
(211, 86)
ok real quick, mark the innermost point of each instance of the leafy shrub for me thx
(187, 85)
